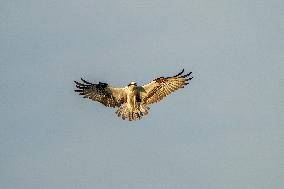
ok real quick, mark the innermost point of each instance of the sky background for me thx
(225, 130)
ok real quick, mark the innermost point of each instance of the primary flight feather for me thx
(132, 101)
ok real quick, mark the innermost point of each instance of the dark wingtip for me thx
(86, 81)
(81, 87)
(180, 73)
(83, 80)
(186, 75)
(80, 84)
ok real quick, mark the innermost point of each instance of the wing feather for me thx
(161, 87)
(102, 92)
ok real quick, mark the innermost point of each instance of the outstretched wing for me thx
(161, 87)
(102, 92)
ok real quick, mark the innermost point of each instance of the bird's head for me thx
(132, 84)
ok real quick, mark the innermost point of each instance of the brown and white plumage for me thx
(132, 101)
(102, 92)
(162, 87)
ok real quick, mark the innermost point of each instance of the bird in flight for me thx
(132, 100)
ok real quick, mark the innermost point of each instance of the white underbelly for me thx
(131, 100)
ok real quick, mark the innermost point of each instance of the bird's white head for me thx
(132, 84)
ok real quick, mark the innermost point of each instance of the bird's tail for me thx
(132, 113)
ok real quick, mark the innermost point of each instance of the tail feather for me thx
(132, 113)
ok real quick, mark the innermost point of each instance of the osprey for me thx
(132, 101)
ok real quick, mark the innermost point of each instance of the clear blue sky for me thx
(225, 130)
